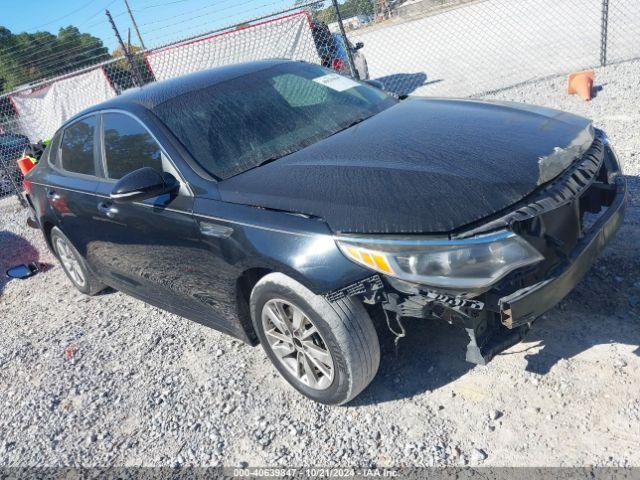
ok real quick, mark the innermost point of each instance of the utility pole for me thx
(352, 66)
(137, 77)
(135, 25)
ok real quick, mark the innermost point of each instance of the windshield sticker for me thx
(336, 82)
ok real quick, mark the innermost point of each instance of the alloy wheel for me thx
(70, 262)
(297, 344)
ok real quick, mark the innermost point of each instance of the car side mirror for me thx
(358, 46)
(375, 83)
(142, 184)
(23, 271)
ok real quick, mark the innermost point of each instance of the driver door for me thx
(141, 247)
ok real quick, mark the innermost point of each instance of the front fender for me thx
(300, 247)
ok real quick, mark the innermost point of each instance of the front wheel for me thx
(328, 351)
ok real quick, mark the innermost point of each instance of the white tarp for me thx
(42, 110)
(284, 37)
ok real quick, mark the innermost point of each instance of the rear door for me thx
(71, 182)
(151, 249)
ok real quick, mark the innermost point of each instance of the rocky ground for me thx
(110, 380)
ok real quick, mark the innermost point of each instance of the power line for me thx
(83, 49)
(147, 7)
(185, 13)
(219, 10)
(60, 18)
(103, 22)
(28, 48)
(102, 10)
(209, 22)
(52, 66)
(29, 58)
(56, 38)
(85, 64)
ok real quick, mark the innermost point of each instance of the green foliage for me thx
(348, 8)
(29, 57)
(351, 8)
(120, 72)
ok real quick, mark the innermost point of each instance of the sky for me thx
(160, 21)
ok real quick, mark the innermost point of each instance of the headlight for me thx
(467, 264)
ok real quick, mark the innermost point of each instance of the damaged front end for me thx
(487, 336)
(520, 262)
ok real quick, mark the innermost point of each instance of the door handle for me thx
(53, 195)
(107, 209)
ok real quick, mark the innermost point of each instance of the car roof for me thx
(153, 94)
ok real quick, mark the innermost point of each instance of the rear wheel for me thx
(328, 351)
(74, 265)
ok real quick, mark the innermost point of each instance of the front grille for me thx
(569, 185)
(555, 218)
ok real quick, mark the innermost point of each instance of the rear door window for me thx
(77, 147)
(128, 146)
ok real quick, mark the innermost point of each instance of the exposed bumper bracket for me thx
(525, 305)
(487, 337)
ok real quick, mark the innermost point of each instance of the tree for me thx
(28, 57)
(120, 72)
(119, 53)
(348, 8)
(351, 8)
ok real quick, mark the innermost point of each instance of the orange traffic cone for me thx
(582, 84)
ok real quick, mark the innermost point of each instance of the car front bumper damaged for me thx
(570, 221)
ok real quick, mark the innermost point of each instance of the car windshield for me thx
(239, 124)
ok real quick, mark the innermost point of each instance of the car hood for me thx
(421, 166)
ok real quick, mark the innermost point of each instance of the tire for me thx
(344, 330)
(79, 273)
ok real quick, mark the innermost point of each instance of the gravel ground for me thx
(109, 380)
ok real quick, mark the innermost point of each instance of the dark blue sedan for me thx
(290, 206)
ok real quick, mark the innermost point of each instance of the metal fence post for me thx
(137, 77)
(604, 32)
(352, 67)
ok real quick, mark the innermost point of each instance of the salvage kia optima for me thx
(286, 205)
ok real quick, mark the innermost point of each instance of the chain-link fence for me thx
(423, 47)
(467, 48)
